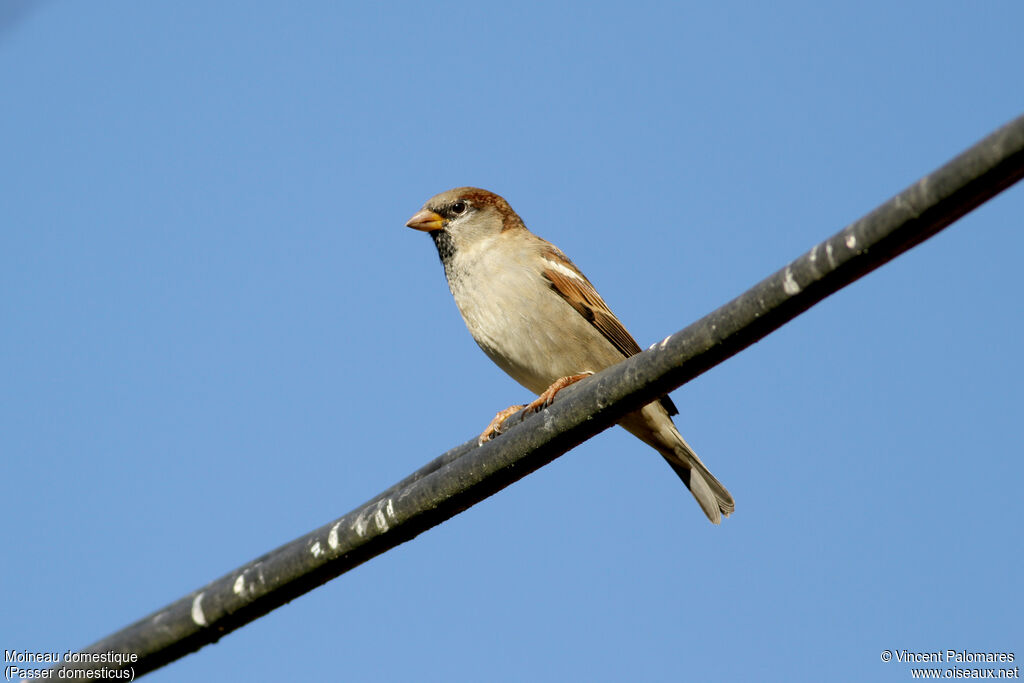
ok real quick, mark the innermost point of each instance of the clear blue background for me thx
(217, 333)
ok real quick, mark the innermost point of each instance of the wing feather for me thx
(575, 288)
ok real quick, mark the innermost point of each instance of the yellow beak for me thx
(426, 220)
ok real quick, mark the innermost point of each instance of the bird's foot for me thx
(494, 428)
(535, 406)
(545, 399)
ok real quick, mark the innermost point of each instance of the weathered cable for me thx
(467, 474)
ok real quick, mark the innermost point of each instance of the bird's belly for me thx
(537, 345)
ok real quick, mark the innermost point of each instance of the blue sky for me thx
(218, 334)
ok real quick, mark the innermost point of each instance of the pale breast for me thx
(522, 324)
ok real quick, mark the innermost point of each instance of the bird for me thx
(540, 320)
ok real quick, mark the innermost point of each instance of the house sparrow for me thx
(536, 315)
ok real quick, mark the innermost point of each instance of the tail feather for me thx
(653, 425)
(712, 497)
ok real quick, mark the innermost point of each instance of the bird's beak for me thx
(426, 220)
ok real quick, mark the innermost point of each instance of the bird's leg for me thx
(545, 399)
(541, 402)
(493, 428)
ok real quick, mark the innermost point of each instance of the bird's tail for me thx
(711, 495)
(654, 426)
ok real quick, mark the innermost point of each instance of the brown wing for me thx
(581, 295)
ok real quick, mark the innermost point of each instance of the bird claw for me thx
(535, 406)
(546, 399)
(494, 428)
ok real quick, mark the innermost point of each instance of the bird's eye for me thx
(459, 207)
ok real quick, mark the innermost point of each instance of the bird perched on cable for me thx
(540, 320)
